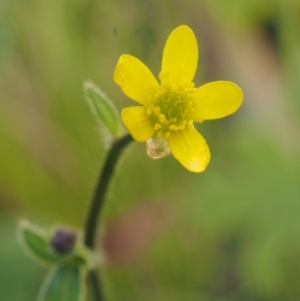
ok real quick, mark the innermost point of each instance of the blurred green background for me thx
(230, 233)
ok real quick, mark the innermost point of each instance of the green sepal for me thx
(103, 108)
(64, 283)
(36, 243)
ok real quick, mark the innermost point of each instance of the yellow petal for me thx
(134, 78)
(190, 149)
(180, 55)
(216, 100)
(137, 123)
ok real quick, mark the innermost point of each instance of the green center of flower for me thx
(170, 109)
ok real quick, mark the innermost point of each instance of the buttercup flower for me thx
(167, 111)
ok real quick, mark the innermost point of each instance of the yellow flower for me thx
(168, 110)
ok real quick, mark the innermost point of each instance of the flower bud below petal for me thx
(157, 148)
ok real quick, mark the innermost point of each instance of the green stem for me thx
(97, 204)
(96, 285)
(100, 191)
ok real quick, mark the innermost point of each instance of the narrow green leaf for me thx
(102, 108)
(64, 283)
(36, 242)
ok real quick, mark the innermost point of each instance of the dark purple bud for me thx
(63, 241)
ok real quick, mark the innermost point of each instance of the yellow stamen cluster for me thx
(170, 108)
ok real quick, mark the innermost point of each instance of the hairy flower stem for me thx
(95, 285)
(97, 205)
(100, 191)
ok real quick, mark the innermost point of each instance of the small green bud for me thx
(102, 108)
(54, 246)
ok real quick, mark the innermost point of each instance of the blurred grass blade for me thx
(64, 283)
(102, 108)
(35, 241)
